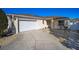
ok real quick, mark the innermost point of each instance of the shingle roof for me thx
(38, 17)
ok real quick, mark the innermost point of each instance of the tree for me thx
(3, 22)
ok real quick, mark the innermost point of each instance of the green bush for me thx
(3, 22)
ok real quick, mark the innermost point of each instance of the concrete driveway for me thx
(35, 40)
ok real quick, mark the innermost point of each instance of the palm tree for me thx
(3, 22)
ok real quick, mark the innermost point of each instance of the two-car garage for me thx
(28, 25)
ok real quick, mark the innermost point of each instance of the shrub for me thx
(3, 22)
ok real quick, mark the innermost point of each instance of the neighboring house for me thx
(72, 22)
(21, 22)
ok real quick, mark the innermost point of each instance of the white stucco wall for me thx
(16, 24)
(9, 22)
(41, 24)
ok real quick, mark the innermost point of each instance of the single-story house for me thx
(26, 22)
(23, 22)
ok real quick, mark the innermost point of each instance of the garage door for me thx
(28, 25)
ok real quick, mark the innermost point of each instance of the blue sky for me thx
(67, 12)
